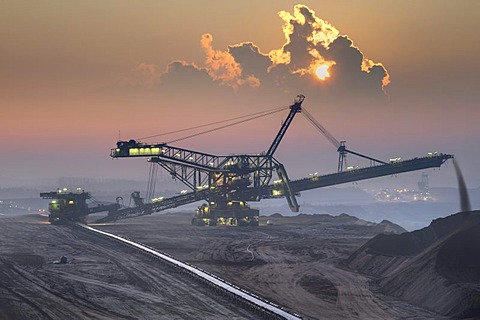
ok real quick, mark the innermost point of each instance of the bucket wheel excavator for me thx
(228, 183)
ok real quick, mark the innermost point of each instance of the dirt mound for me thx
(276, 215)
(412, 243)
(343, 219)
(459, 258)
(437, 267)
(388, 227)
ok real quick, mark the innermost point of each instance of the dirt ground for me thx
(102, 280)
(295, 262)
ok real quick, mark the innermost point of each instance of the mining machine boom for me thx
(278, 189)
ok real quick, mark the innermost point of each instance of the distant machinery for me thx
(423, 183)
(423, 193)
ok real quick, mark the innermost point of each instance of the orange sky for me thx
(75, 73)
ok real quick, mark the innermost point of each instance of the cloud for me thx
(187, 75)
(304, 35)
(145, 74)
(312, 42)
(315, 57)
(252, 61)
(220, 65)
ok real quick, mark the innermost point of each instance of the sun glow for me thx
(322, 71)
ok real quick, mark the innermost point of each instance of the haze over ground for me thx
(73, 74)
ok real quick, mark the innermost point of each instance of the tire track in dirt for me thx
(101, 280)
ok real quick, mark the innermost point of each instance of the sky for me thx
(396, 79)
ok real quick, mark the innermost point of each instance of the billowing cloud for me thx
(315, 56)
(188, 76)
(313, 43)
(220, 65)
(305, 34)
(252, 61)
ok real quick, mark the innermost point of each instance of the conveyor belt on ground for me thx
(265, 308)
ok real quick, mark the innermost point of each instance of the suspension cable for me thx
(152, 181)
(340, 145)
(213, 123)
(258, 115)
(321, 128)
(94, 200)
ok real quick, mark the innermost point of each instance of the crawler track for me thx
(263, 307)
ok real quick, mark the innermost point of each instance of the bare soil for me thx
(296, 262)
(437, 267)
(101, 279)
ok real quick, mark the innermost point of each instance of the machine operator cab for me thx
(133, 148)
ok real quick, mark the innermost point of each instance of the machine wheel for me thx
(212, 222)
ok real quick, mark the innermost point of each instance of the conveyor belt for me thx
(264, 307)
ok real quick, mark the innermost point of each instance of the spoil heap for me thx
(437, 267)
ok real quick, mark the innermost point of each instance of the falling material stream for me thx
(462, 188)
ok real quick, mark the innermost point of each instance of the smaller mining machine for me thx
(71, 206)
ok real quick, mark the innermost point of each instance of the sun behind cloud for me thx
(314, 54)
(322, 72)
